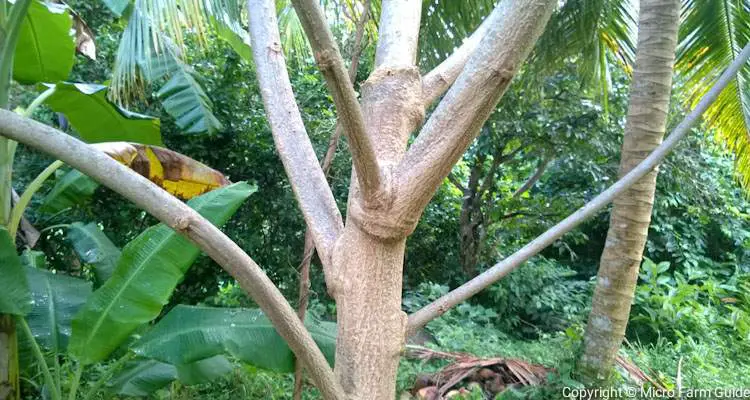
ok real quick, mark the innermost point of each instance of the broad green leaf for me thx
(147, 272)
(15, 296)
(142, 377)
(97, 119)
(72, 189)
(204, 370)
(46, 47)
(56, 299)
(189, 333)
(117, 7)
(239, 43)
(94, 248)
(182, 96)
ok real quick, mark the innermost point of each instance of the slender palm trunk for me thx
(631, 213)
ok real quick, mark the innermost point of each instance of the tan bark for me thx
(309, 250)
(631, 213)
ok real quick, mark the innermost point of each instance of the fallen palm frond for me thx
(492, 375)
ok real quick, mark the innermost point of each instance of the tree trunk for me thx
(631, 213)
(468, 221)
(371, 325)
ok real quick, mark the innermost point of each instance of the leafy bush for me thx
(707, 304)
(541, 296)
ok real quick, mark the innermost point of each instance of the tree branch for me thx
(490, 177)
(534, 178)
(437, 81)
(452, 178)
(513, 29)
(499, 270)
(398, 35)
(188, 223)
(309, 249)
(300, 162)
(332, 67)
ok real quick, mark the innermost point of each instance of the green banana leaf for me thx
(143, 377)
(95, 249)
(71, 189)
(46, 48)
(97, 119)
(147, 273)
(15, 296)
(240, 43)
(56, 299)
(182, 96)
(204, 370)
(190, 333)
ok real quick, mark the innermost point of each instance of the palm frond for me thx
(445, 24)
(592, 33)
(294, 41)
(712, 33)
(155, 25)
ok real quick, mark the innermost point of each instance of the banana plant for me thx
(62, 316)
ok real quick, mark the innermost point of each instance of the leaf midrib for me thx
(128, 281)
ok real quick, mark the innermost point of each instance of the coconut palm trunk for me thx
(631, 212)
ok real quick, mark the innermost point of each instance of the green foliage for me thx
(182, 97)
(147, 272)
(712, 34)
(95, 249)
(703, 305)
(55, 300)
(15, 298)
(45, 49)
(70, 189)
(187, 334)
(117, 7)
(143, 377)
(544, 296)
(80, 102)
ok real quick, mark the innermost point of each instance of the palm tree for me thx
(712, 34)
(631, 213)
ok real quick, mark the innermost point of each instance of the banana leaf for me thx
(190, 333)
(147, 273)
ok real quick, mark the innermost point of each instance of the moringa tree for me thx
(391, 184)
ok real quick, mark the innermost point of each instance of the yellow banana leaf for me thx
(176, 173)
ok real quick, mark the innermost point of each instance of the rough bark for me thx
(309, 249)
(184, 220)
(369, 255)
(437, 81)
(631, 212)
(470, 219)
(512, 32)
(331, 65)
(292, 143)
